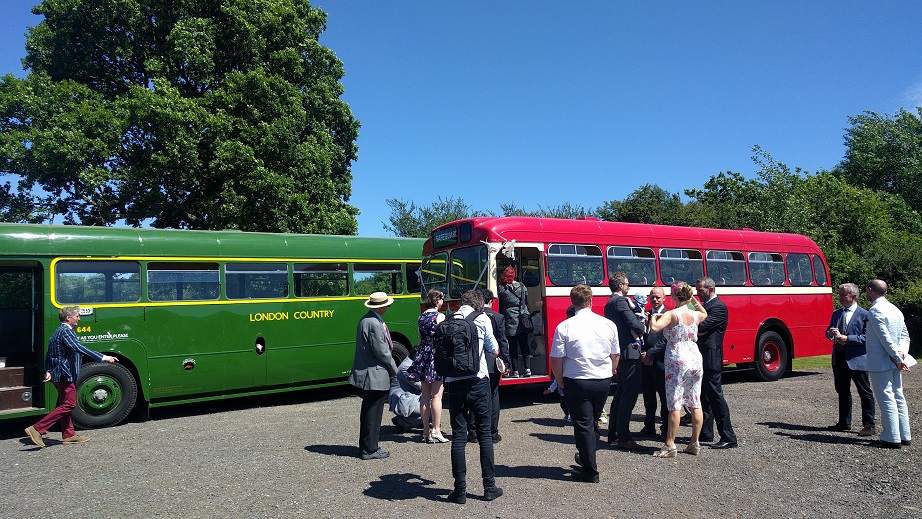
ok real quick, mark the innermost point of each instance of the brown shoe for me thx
(867, 431)
(630, 445)
(75, 439)
(35, 436)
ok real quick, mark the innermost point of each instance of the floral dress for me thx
(683, 366)
(423, 367)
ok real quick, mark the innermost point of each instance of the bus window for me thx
(819, 272)
(433, 273)
(321, 279)
(799, 271)
(680, 265)
(256, 280)
(766, 268)
(81, 282)
(377, 277)
(413, 283)
(570, 265)
(182, 281)
(638, 263)
(468, 270)
(726, 267)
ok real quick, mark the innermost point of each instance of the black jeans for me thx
(494, 397)
(715, 409)
(471, 395)
(586, 400)
(653, 388)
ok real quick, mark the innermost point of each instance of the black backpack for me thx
(457, 347)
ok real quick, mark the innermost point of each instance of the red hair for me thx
(508, 275)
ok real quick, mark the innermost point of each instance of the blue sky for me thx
(541, 103)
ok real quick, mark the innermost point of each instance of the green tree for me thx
(648, 203)
(885, 154)
(411, 221)
(565, 210)
(201, 115)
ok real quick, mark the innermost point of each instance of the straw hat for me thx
(379, 300)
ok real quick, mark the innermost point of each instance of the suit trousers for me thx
(471, 396)
(715, 408)
(653, 387)
(622, 404)
(370, 420)
(894, 412)
(843, 377)
(586, 401)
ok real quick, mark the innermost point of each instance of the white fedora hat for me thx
(378, 300)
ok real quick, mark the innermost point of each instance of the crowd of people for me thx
(674, 358)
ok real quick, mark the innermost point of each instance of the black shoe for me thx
(685, 420)
(471, 438)
(725, 445)
(906, 443)
(839, 427)
(880, 444)
(582, 477)
(646, 432)
(492, 493)
(497, 438)
(376, 455)
(400, 429)
(458, 496)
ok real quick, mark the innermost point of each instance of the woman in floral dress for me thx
(683, 365)
(423, 369)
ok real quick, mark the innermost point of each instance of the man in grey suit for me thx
(372, 370)
(849, 360)
(887, 346)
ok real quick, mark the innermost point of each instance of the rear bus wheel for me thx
(771, 358)
(106, 393)
(400, 352)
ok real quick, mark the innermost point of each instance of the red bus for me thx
(776, 286)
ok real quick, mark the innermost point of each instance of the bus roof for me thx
(77, 240)
(551, 230)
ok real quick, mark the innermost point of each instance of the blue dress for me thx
(423, 367)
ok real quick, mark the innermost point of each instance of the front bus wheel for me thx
(106, 393)
(771, 358)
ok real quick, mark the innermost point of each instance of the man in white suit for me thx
(887, 347)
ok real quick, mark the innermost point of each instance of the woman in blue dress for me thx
(423, 369)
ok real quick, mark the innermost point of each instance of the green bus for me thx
(192, 315)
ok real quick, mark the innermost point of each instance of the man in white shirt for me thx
(583, 356)
(470, 396)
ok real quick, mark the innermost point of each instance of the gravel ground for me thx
(245, 458)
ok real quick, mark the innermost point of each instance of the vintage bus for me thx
(776, 286)
(192, 315)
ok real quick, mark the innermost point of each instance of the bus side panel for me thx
(808, 327)
(739, 340)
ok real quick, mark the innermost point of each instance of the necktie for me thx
(387, 333)
(844, 320)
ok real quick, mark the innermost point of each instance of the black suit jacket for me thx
(619, 312)
(655, 344)
(499, 331)
(711, 334)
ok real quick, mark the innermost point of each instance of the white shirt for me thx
(586, 343)
(849, 313)
(487, 342)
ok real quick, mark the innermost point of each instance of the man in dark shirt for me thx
(62, 368)
(618, 310)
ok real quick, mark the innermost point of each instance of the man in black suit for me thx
(618, 310)
(653, 377)
(850, 360)
(711, 344)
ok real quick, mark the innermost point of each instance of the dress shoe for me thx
(400, 428)
(629, 445)
(906, 443)
(725, 445)
(458, 496)
(376, 455)
(35, 437)
(839, 427)
(490, 494)
(867, 430)
(880, 444)
(72, 440)
(497, 438)
(646, 432)
(583, 477)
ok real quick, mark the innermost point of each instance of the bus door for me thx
(529, 271)
(21, 346)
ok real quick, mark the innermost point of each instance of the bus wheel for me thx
(400, 352)
(106, 393)
(771, 358)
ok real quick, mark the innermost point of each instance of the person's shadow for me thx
(345, 451)
(811, 433)
(400, 487)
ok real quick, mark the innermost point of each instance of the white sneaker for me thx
(603, 419)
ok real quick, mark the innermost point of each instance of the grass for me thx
(822, 361)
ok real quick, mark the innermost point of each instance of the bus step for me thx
(11, 376)
(18, 397)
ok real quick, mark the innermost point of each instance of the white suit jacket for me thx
(887, 336)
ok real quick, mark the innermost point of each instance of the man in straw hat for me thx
(372, 370)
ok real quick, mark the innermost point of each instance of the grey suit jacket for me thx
(854, 349)
(373, 365)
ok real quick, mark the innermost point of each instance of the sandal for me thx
(665, 452)
(693, 448)
(438, 438)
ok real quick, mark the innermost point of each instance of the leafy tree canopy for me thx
(200, 115)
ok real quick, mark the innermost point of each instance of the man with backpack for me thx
(497, 367)
(468, 386)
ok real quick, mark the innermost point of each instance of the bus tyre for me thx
(400, 352)
(771, 358)
(106, 393)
